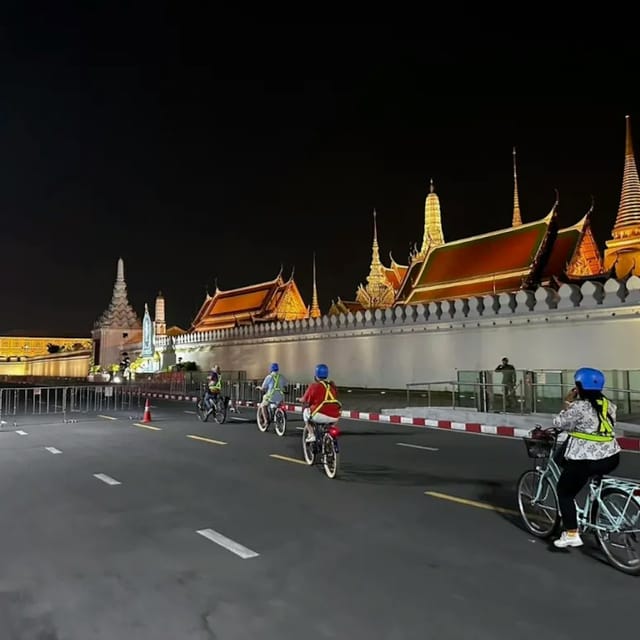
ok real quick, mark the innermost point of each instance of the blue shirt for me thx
(269, 387)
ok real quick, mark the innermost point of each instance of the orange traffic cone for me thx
(147, 412)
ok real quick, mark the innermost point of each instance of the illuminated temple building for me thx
(276, 299)
(523, 256)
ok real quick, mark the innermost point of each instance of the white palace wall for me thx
(596, 325)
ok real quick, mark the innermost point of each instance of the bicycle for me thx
(218, 410)
(325, 449)
(611, 507)
(275, 414)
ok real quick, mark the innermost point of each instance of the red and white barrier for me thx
(628, 444)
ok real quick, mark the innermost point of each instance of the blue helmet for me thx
(590, 379)
(322, 371)
(274, 367)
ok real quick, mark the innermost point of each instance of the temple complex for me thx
(622, 253)
(522, 256)
(276, 299)
(31, 347)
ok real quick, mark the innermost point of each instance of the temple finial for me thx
(516, 220)
(315, 307)
(432, 236)
(120, 272)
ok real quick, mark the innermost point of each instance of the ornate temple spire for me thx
(517, 218)
(433, 235)
(160, 323)
(378, 292)
(315, 307)
(119, 314)
(623, 250)
(628, 218)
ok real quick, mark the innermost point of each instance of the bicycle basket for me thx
(538, 447)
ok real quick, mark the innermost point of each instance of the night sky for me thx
(199, 150)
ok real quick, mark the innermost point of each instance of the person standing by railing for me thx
(508, 383)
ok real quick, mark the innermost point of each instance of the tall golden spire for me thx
(315, 307)
(623, 250)
(517, 218)
(378, 292)
(432, 223)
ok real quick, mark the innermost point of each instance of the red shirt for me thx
(315, 395)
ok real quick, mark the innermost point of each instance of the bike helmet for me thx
(322, 371)
(274, 367)
(589, 379)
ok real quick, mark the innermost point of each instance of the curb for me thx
(627, 444)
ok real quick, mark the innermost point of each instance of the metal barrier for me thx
(246, 391)
(523, 397)
(65, 400)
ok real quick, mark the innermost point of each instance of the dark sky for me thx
(198, 149)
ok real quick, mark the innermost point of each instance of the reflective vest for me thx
(329, 398)
(276, 387)
(215, 386)
(605, 428)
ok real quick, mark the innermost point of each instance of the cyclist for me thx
(273, 389)
(320, 402)
(214, 386)
(590, 449)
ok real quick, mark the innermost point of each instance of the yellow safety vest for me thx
(215, 386)
(276, 387)
(605, 429)
(329, 398)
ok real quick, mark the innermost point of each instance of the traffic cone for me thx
(147, 412)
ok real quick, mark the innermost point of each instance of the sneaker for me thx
(311, 437)
(568, 540)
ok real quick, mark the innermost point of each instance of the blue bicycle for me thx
(611, 510)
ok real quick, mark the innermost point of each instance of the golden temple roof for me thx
(498, 261)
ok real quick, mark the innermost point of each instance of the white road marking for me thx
(417, 446)
(228, 544)
(22, 433)
(239, 418)
(53, 450)
(193, 413)
(107, 417)
(106, 478)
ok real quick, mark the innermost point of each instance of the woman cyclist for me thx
(591, 448)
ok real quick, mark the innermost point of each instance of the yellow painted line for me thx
(146, 426)
(287, 458)
(471, 503)
(207, 440)
(107, 417)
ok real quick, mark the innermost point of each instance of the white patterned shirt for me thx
(581, 416)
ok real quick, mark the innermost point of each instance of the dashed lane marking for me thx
(106, 479)
(228, 544)
(193, 413)
(146, 426)
(209, 440)
(277, 456)
(471, 503)
(53, 450)
(21, 433)
(107, 417)
(417, 446)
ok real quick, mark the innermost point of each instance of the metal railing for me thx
(246, 391)
(67, 400)
(523, 397)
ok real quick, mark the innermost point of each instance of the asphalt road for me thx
(367, 555)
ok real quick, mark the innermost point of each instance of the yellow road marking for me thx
(146, 426)
(107, 417)
(206, 440)
(287, 458)
(471, 503)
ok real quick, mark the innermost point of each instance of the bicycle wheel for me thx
(262, 419)
(617, 510)
(280, 421)
(308, 448)
(202, 413)
(330, 456)
(545, 519)
(220, 411)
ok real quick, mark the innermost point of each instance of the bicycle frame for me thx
(629, 487)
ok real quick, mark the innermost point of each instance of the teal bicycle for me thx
(611, 509)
